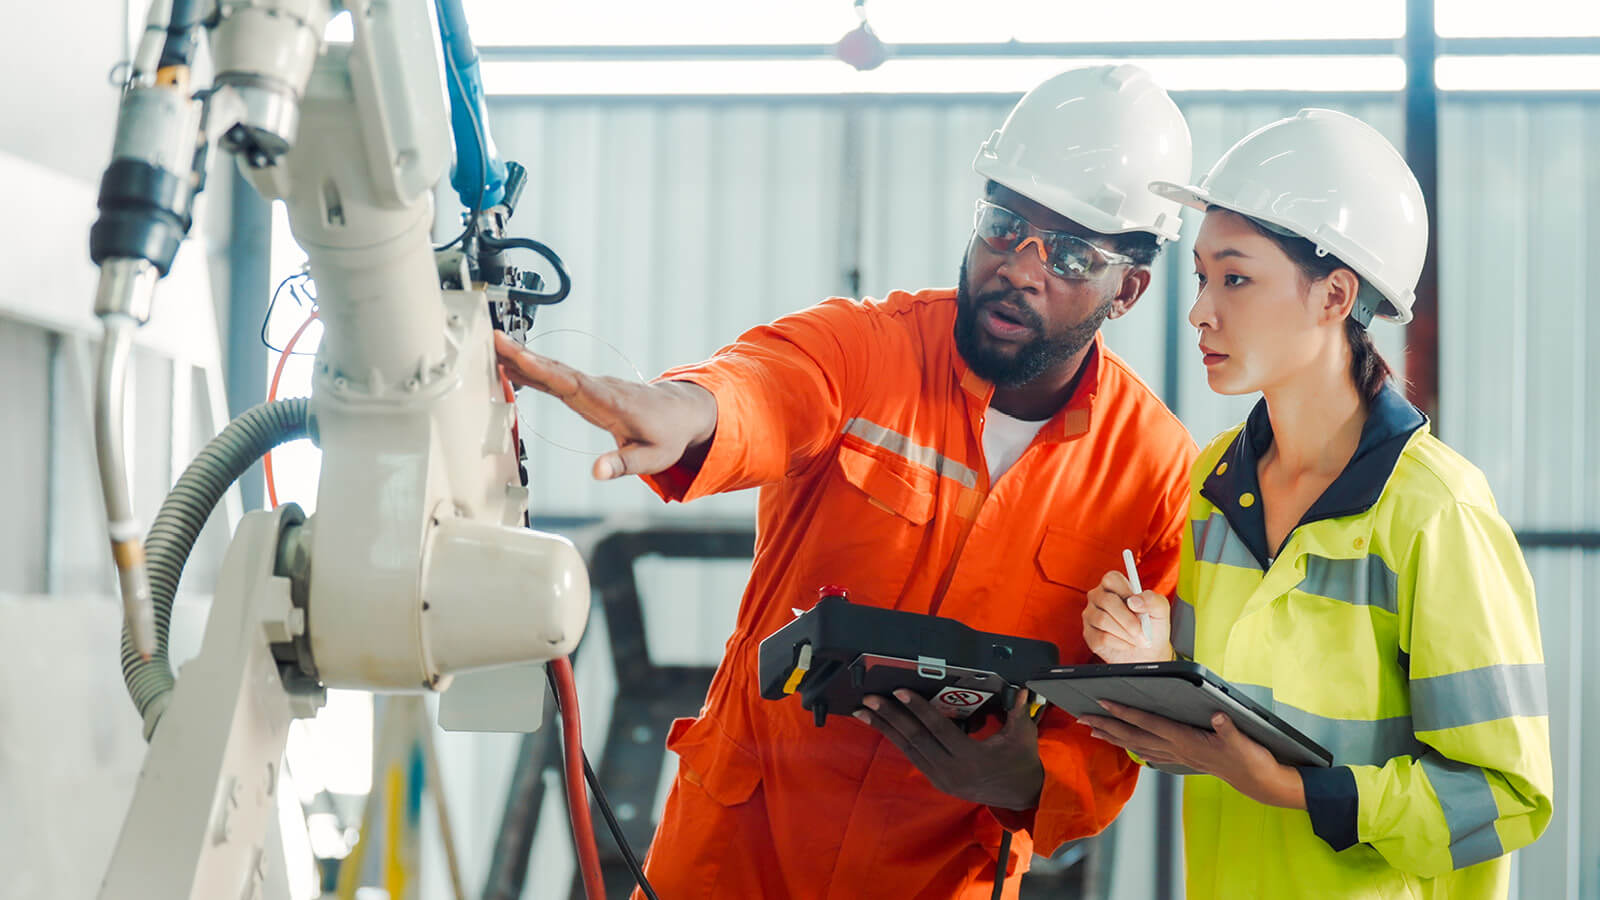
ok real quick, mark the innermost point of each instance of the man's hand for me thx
(1111, 624)
(1227, 753)
(1002, 770)
(655, 425)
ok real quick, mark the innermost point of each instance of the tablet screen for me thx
(1182, 691)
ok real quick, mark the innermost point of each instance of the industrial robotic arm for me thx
(417, 566)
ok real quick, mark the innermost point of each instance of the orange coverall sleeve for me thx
(782, 391)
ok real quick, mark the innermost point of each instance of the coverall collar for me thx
(1074, 417)
(1390, 423)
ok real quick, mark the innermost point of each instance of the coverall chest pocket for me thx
(727, 772)
(896, 488)
(1067, 565)
(870, 525)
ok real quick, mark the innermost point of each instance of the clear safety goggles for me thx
(1065, 255)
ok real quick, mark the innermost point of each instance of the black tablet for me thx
(1182, 691)
(837, 652)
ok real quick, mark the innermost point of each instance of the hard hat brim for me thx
(1192, 196)
(1066, 204)
(1196, 197)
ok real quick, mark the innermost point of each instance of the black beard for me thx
(1035, 357)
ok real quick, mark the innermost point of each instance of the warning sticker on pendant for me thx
(959, 702)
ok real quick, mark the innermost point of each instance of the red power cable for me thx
(594, 885)
(272, 394)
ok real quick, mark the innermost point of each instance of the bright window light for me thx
(635, 22)
(1527, 18)
(341, 28)
(964, 21)
(1517, 73)
(333, 751)
(640, 22)
(925, 76)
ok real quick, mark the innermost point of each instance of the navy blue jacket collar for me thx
(1390, 423)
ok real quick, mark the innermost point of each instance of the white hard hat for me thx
(1087, 143)
(1335, 181)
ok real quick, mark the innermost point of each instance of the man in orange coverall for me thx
(976, 453)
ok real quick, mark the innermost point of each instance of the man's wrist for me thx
(701, 406)
(1027, 795)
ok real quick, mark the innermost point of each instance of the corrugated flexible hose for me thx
(177, 527)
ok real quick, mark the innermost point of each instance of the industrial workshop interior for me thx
(903, 449)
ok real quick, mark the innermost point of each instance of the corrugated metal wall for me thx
(684, 222)
(26, 452)
(1519, 254)
(54, 540)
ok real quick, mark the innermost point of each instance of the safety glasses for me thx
(1065, 255)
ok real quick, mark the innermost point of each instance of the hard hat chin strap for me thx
(1368, 301)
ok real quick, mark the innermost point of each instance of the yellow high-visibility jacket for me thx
(1396, 626)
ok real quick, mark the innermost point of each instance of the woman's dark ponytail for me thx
(1370, 370)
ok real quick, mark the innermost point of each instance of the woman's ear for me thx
(1339, 292)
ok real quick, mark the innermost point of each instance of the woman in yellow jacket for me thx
(1343, 566)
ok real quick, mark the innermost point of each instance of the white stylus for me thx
(1133, 579)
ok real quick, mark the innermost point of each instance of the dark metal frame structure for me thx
(649, 696)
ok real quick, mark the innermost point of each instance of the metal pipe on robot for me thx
(146, 198)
